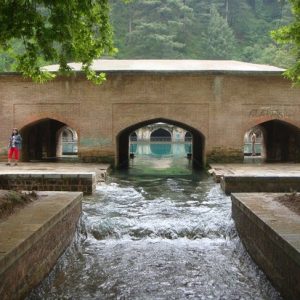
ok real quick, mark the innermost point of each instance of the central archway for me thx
(122, 142)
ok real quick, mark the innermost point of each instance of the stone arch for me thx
(280, 141)
(188, 137)
(259, 145)
(122, 142)
(133, 136)
(40, 139)
(67, 142)
(32, 119)
(160, 134)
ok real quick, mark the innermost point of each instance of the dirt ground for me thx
(11, 201)
(292, 201)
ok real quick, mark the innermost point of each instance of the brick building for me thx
(216, 101)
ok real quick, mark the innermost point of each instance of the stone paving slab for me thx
(81, 177)
(280, 169)
(240, 178)
(56, 168)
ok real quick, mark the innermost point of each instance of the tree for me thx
(219, 39)
(290, 35)
(56, 31)
(155, 29)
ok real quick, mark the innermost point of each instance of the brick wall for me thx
(85, 182)
(221, 107)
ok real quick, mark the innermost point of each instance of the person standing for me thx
(14, 147)
(253, 141)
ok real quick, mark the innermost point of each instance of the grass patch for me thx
(12, 200)
(292, 201)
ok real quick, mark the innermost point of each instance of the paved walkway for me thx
(49, 168)
(279, 169)
(237, 178)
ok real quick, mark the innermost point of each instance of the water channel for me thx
(156, 236)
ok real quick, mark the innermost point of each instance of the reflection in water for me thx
(161, 149)
(161, 158)
(133, 148)
(156, 238)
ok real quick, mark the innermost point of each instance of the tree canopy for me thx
(201, 29)
(34, 32)
(39, 32)
(290, 35)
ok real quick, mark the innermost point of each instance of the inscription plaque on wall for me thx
(277, 113)
(271, 111)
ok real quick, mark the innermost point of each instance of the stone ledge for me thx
(264, 183)
(32, 240)
(271, 234)
(82, 182)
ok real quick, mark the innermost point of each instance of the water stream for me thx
(156, 237)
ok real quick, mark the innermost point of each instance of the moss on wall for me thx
(225, 155)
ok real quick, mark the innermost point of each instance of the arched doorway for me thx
(281, 141)
(276, 141)
(67, 144)
(197, 149)
(160, 135)
(254, 143)
(40, 139)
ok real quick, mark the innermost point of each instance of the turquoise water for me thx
(160, 159)
(161, 149)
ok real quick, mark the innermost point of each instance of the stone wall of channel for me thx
(267, 235)
(85, 183)
(29, 262)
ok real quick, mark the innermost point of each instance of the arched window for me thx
(133, 137)
(67, 142)
(160, 135)
(254, 142)
(188, 137)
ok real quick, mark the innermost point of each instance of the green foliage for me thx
(238, 29)
(54, 31)
(39, 32)
(218, 38)
(151, 29)
(290, 35)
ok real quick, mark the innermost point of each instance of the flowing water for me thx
(156, 237)
(157, 231)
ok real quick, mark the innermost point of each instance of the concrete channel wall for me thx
(75, 182)
(33, 239)
(270, 233)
